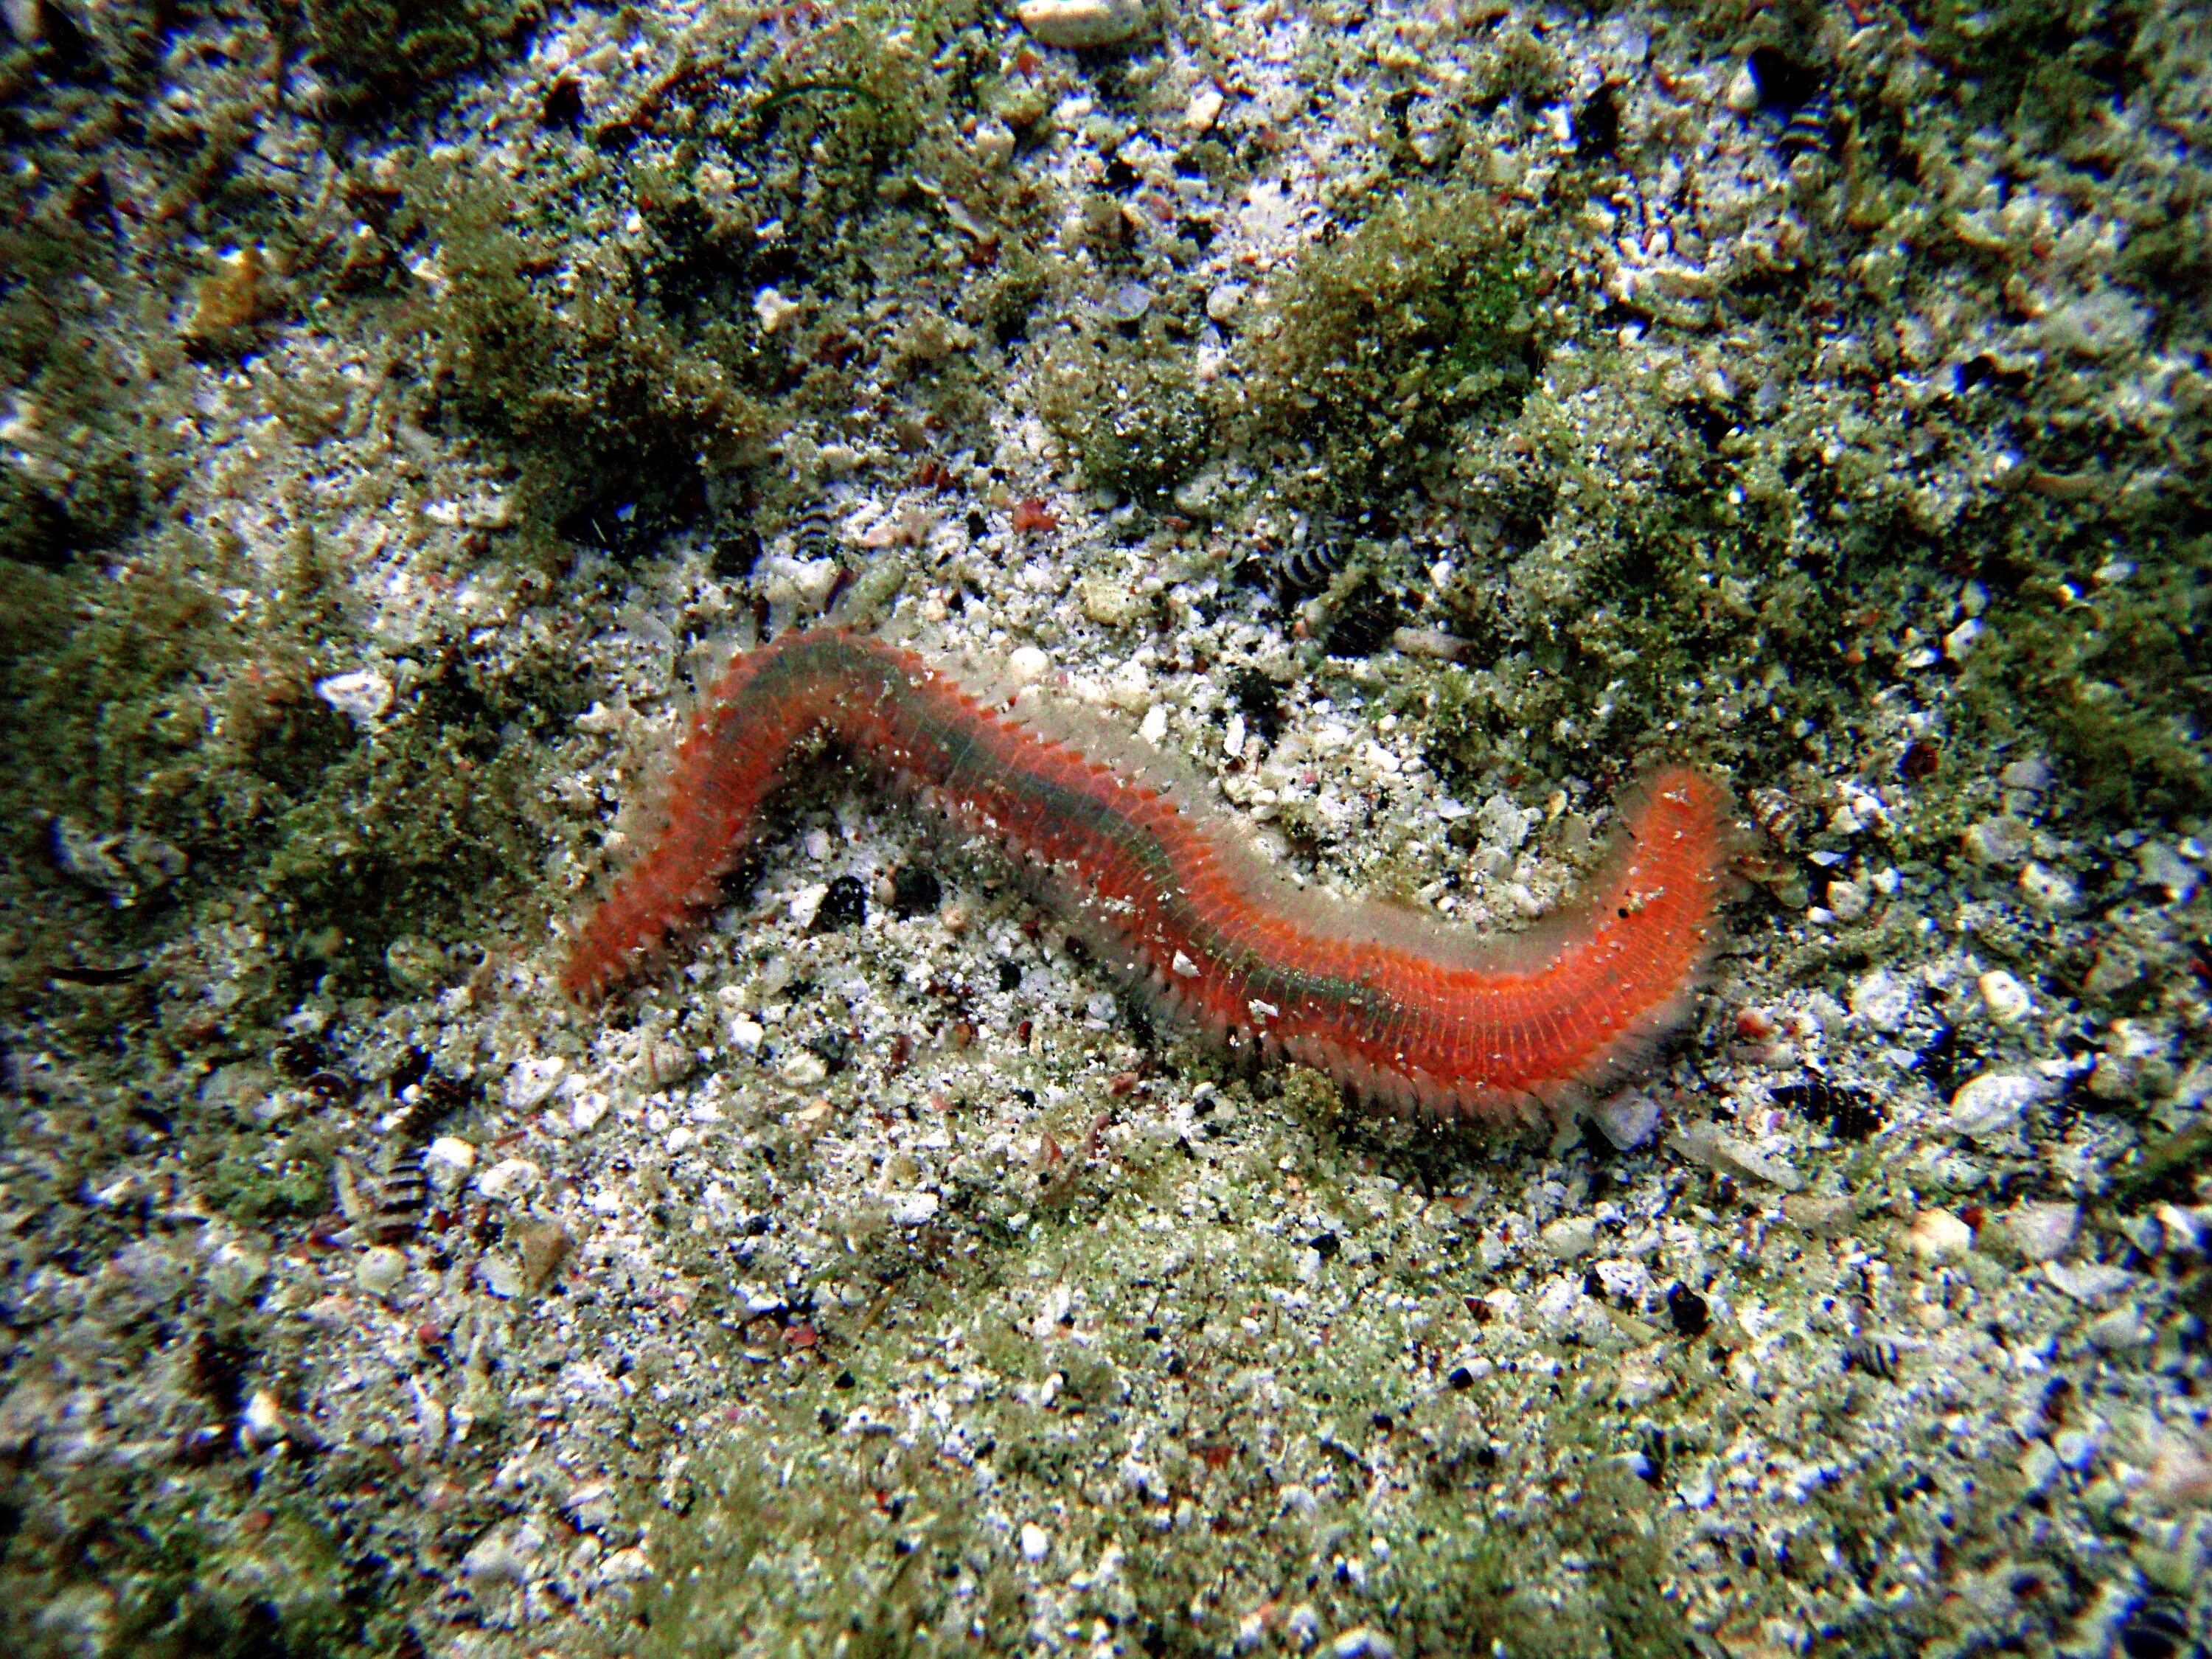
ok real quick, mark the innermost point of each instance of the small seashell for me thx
(1779, 815)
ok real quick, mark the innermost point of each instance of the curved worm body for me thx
(1401, 1005)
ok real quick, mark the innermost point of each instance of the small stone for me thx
(1848, 900)
(2088, 1281)
(2117, 1331)
(1222, 302)
(447, 1161)
(773, 309)
(545, 1245)
(1027, 664)
(2075, 1448)
(994, 143)
(1880, 998)
(501, 1276)
(586, 1110)
(415, 965)
(1503, 824)
(746, 1035)
(2039, 1466)
(2180, 1474)
(913, 1209)
(1959, 644)
(513, 1177)
(2005, 997)
(228, 298)
(1569, 1236)
(1818, 1217)
(2041, 1232)
(2116, 967)
(26, 20)
(532, 1080)
(1742, 94)
(1627, 1120)
(1989, 1107)
(1083, 24)
(261, 1422)
(1036, 1542)
(2051, 892)
(805, 1070)
(1939, 1235)
(1363, 1641)
(2161, 866)
(1204, 109)
(381, 1270)
(361, 696)
(2031, 775)
(1107, 603)
(1995, 841)
(1127, 303)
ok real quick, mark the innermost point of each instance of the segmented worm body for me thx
(1407, 1008)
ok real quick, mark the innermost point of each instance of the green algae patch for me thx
(1378, 342)
(2108, 667)
(390, 50)
(1106, 1421)
(1126, 406)
(91, 409)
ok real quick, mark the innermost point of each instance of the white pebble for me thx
(2005, 997)
(1028, 664)
(448, 1161)
(1036, 1542)
(501, 1276)
(2162, 867)
(1155, 726)
(360, 697)
(513, 1177)
(2041, 1232)
(912, 1209)
(2049, 890)
(1627, 1120)
(773, 310)
(1988, 1106)
(263, 1419)
(589, 1107)
(806, 903)
(1505, 825)
(746, 1034)
(1939, 1235)
(1569, 1236)
(994, 143)
(531, 1080)
(1082, 23)
(1882, 999)
(379, 1270)
(1995, 841)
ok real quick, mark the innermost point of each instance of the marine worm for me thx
(1417, 1013)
